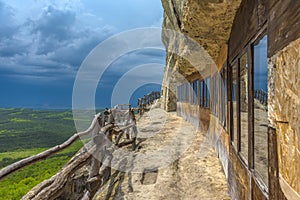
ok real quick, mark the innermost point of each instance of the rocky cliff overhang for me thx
(207, 22)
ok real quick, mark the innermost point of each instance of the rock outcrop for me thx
(206, 22)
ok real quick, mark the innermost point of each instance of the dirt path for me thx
(169, 163)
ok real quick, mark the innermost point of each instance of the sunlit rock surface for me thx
(284, 112)
(208, 23)
(193, 173)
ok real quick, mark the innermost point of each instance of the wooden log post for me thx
(102, 140)
(145, 102)
(53, 187)
(97, 151)
(134, 129)
(140, 106)
(127, 119)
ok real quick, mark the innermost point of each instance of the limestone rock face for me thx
(284, 111)
(206, 22)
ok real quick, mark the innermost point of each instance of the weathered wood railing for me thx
(30, 160)
(261, 96)
(107, 129)
(147, 100)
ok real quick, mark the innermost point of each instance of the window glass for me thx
(178, 93)
(187, 94)
(191, 84)
(208, 93)
(182, 93)
(234, 104)
(216, 94)
(204, 94)
(201, 93)
(195, 92)
(244, 104)
(225, 102)
(223, 96)
(261, 109)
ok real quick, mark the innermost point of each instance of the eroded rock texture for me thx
(208, 24)
(284, 111)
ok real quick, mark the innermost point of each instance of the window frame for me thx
(249, 162)
(201, 93)
(257, 174)
(223, 96)
(234, 136)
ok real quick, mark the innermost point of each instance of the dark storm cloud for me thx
(55, 24)
(45, 42)
(9, 46)
(74, 53)
(134, 59)
(6, 26)
(53, 44)
(12, 47)
(60, 37)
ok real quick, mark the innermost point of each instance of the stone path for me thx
(169, 163)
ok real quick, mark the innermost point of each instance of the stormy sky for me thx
(44, 42)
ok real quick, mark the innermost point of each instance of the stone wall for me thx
(284, 112)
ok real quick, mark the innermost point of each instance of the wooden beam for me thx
(53, 187)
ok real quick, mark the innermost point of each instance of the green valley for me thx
(26, 132)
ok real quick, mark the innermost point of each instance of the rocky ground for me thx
(170, 162)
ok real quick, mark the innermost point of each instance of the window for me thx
(223, 96)
(191, 88)
(234, 125)
(183, 93)
(195, 92)
(219, 95)
(188, 89)
(204, 93)
(207, 93)
(243, 72)
(186, 93)
(178, 94)
(260, 80)
(243, 104)
(201, 93)
(214, 94)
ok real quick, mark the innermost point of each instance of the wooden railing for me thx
(107, 130)
(147, 100)
(107, 133)
(261, 96)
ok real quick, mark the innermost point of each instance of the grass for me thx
(16, 120)
(26, 132)
(7, 158)
(18, 184)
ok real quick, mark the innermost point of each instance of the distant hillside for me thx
(25, 132)
(26, 128)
